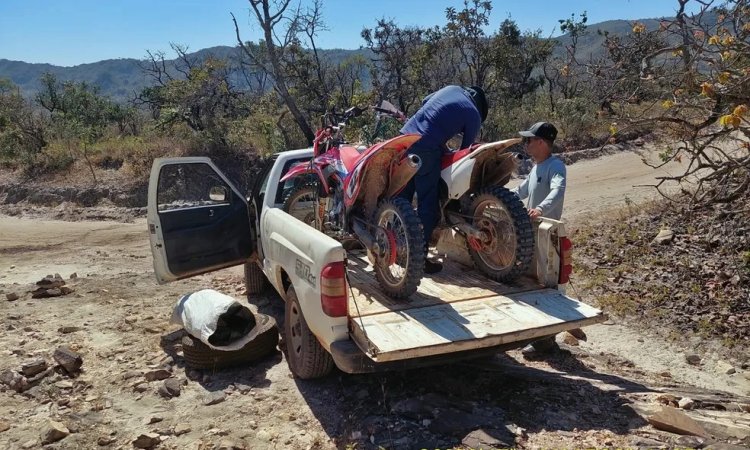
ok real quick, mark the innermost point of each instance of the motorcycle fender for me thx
(458, 177)
(297, 170)
(305, 169)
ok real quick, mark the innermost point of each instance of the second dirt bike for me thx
(353, 197)
(475, 203)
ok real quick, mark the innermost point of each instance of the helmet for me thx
(480, 100)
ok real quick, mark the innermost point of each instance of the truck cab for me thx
(199, 222)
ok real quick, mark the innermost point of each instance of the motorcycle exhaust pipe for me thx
(403, 171)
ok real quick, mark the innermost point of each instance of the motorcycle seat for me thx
(349, 156)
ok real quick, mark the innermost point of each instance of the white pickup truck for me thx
(335, 313)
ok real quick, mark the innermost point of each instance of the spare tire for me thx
(200, 356)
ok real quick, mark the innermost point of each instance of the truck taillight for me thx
(566, 260)
(333, 290)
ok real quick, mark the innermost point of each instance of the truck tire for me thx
(255, 279)
(200, 356)
(516, 232)
(306, 357)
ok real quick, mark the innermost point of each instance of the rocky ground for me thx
(683, 271)
(625, 385)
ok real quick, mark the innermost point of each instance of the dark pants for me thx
(426, 183)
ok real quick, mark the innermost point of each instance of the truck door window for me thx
(191, 185)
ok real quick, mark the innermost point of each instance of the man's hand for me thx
(535, 213)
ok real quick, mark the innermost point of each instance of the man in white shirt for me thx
(545, 185)
(545, 190)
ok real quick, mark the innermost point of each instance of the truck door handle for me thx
(210, 213)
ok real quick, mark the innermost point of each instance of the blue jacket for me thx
(444, 114)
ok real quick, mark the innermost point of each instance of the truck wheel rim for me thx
(295, 329)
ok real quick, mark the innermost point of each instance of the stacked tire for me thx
(198, 355)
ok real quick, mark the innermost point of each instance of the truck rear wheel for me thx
(306, 357)
(506, 252)
(255, 279)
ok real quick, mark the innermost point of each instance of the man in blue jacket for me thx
(444, 114)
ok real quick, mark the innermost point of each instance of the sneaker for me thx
(431, 267)
(540, 348)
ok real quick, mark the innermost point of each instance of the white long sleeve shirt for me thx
(545, 187)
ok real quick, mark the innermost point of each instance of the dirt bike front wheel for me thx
(399, 264)
(505, 251)
(301, 204)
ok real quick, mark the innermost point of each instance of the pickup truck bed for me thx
(457, 309)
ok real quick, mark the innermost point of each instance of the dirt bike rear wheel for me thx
(300, 203)
(400, 267)
(506, 252)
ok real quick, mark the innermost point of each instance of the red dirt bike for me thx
(353, 197)
(491, 219)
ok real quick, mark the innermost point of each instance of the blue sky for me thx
(71, 32)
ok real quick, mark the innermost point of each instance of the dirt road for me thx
(593, 394)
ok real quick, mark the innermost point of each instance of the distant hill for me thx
(120, 79)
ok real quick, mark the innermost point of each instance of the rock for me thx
(68, 359)
(147, 440)
(131, 374)
(50, 282)
(263, 435)
(492, 439)
(38, 377)
(160, 374)
(675, 421)
(686, 403)
(14, 380)
(578, 334)
(170, 388)
(103, 441)
(643, 442)
(141, 386)
(722, 446)
(570, 339)
(11, 296)
(29, 444)
(68, 329)
(725, 368)
(73, 276)
(690, 442)
(664, 237)
(4, 426)
(243, 388)
(54, 432)
(31, 368)
(227, 444)
(693, 359)
(181, 429)
(214, 398)
(64, 384)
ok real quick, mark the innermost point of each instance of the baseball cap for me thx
(544, 130)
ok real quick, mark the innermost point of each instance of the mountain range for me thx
(120, 79)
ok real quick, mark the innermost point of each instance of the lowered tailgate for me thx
(455, 311)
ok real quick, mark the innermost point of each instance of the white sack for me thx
(199, 312)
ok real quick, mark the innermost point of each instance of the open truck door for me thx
(198, 220)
